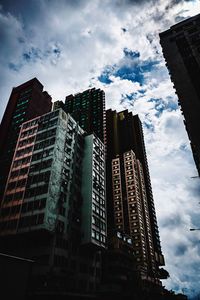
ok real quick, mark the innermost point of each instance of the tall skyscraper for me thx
(53, 209)
(26, 102)
(129, 199)
(88, 109)
(181, 49)
(131, 214)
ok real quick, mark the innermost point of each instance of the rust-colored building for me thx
(130, 204)
(26, 101)
(131, 213)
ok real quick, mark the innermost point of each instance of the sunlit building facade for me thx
(130, 203)
(131, 215)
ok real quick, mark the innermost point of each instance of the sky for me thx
(114, 45)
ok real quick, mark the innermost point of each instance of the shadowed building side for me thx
(88, 109)
(47, 213)
(181, 50)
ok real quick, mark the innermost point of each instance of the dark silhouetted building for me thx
(130, 204)
(15, 275)
(119, 274)
(181, 49)
(26, 102)
(88, 109)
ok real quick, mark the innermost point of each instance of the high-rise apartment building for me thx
(181, 50)
(88, 109)
(129, 199)
(26, 102)
(93, 191)
(131, 214)
(53, 209)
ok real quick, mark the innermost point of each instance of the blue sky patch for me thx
(129, 68)
(104, 77)
(129, 98)
(27, 56)
(148, 123)
(131, 54)
(160, 105)
(32, 54)
(142, 91)
(132, 74)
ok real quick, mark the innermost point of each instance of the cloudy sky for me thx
(114, 44)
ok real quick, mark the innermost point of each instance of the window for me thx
(42, 154)
(21, 183)
(138, 259)
(22, 161)
(41, 165)
(31, 220)
(26, 142)
(46, 134)
(36, 191)
(45, 143)
(42, 177)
